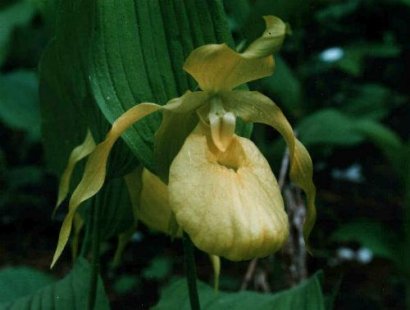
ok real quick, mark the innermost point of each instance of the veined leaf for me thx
(137, 53)
(68, 293)
(333, 127)
(67, 105)
(17, 282)
(307, 295)
(125, 53)
(116, 211)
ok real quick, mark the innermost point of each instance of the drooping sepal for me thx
(95, 169)
(78, 153)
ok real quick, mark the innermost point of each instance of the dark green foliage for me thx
(68, 293)
(99, 58)
(306, 296)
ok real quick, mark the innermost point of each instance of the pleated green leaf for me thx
(17, 282)
(137, 52)
(66, 294)
(116, 211)
(332, 127)
(67, 105)
(108, 56)
(306, 296)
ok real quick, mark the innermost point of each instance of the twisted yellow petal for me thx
(228, 202)
(78, 153)
(216, 67)
(255, 107)
(95, 169)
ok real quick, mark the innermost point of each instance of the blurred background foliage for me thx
(342, 80)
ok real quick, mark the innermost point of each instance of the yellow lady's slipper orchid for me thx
(227, 201)
(220, 187)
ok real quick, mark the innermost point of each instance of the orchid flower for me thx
(221, 190)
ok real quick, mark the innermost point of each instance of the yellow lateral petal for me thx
(255, 107)
(95, 169)
(228, 202)
(154, 210)
(78, 153)
(150, 200)
(216, 67)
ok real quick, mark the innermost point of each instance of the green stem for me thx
(85, 246)
(190, 271)
(407, 243)
(95, 263)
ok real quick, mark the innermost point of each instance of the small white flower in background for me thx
(332, 54)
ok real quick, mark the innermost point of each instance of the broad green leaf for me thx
(384, 138)
(158, 269)
(17, 282)
(15, 15)
(171, 135)
(95, 170)
(66, 294)
(354, 55)
(63, 125)
(332, 127)
(372, 101)
(126, 284)
(19, 102)
(285, 85)
(116, 211)
(140, 57)
(307, 295)
(328, 127)
(373, 235)
(337, 11)
(126, 52)
(67, 106)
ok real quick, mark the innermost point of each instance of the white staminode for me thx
(222, 124)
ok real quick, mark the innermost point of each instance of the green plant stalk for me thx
(407, 242)
(190, 271)
(95, 260)
(86, 242)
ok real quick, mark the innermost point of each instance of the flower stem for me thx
(190, 271)
(95, 263)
